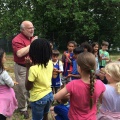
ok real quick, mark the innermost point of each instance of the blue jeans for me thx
(41, 107)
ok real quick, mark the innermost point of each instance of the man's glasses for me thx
(30, 28)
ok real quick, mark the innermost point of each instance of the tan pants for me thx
(20, 90)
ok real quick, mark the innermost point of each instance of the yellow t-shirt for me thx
(41, 78)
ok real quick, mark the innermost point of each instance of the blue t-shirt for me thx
(56, 81)
(62, 112)
(74, 71)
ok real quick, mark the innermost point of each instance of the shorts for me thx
(41, 106)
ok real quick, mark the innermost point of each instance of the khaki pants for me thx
(21, 92)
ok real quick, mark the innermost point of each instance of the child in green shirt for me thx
(104, 54)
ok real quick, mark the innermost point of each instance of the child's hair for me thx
(51, 44)
(75, 44)
(72, 42)
(93, 44)
(113, 69)
(78, 50)
(40, 52)
(1, 57)
(86, 61)
(105, 43)
(55, 52)
(87, 46)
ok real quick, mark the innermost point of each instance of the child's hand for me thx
(69, 75)
(55, 69)
(66, 55)
(102, 55)
(119, 59)
(28, 62)
(16, 83)
(102, 73)
(110, 60)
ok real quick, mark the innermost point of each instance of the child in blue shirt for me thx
(60, 111)
(67, 58)
(74, 74)
(58, 68)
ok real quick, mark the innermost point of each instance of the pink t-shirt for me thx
(80, 97)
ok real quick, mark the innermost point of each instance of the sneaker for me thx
(25, 114)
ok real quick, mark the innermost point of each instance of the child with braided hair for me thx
(110, 108)
(84, 92)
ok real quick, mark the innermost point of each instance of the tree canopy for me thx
(63, 20)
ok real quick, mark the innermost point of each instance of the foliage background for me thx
(62, 20)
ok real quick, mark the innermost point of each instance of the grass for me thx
(9, 67)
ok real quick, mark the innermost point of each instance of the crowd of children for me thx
(76, 80)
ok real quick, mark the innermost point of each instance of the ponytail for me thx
(92, 77)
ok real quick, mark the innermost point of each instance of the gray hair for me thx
(21, 26)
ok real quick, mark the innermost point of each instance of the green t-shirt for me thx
(104, 54)
(41, 78)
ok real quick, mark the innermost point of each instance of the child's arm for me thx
(59, 95)
(67, 57)
(7, 79)
(72, 75)
(28, 84)
(105, 58)
(100, 98)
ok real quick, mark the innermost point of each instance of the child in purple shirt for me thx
(110, 107)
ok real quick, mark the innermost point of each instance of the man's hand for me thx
(34, 38)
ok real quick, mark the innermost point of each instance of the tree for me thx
(63, 20)
(12, 12)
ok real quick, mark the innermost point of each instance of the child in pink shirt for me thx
(84, 93)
